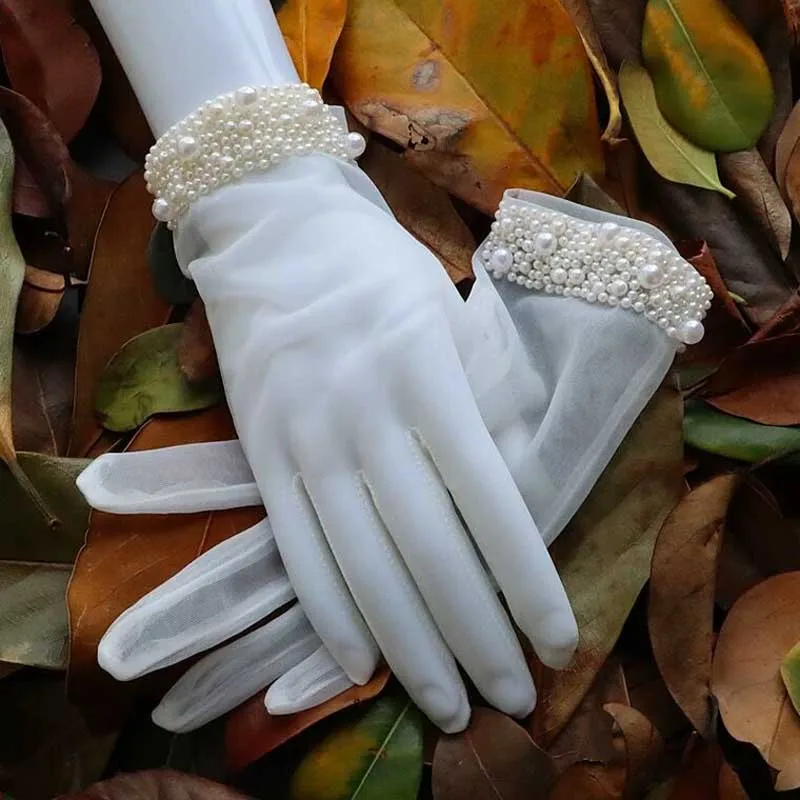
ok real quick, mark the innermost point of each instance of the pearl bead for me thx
(650, 276)
(356, 144)
(617, 288)
(608, 232)
(502, 259)
(246, 95)
(545, 244)
(188, 147)
(558, 276)
(162, 210)
(691, 331)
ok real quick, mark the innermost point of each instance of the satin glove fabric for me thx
(336, 335)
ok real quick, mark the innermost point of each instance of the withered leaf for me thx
(39, 300)
(644, 747)
(157, 784)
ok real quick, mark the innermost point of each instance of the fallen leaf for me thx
(119, 270)
(757, 633)
(790, 672)
(760, 381)
(792, 8)
(587, 781)
(196, 354)
(606, 551)
(86, 206)
(710, 78)
(785, 150)
(378, 756)
(704, 775)
(251, 733)
(423, 209)
(171, 284)
(785, 320)
(582, 17)
(144, 379)
(156, 784)
(494, 759)
(33, 614)
(747, 174)
(670, 154)
(126, 556)
(440, 91)
(50, 60)
(644, 746)
(681, 602)
(311, 30)
(724, 435)
(619, 26)
(39, 300)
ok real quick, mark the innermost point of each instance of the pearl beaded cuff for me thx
(249, 130)
(549, 251)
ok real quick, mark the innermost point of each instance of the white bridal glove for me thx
(556, 417)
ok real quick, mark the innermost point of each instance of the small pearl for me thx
(356, 144)
(608, 232)
(576, 276)
(188, 147)
(162, 210)
(545, 244)
(691, 331)
(617, 288)
(246, 95)
(650, 276)
(558, 276)
(502, 259)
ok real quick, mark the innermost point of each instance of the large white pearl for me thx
(545, 244)
(691, 331)
(162, 210)
(608, 232)
(356, 144)
(617, 288)
(502, 260)
(651, 275)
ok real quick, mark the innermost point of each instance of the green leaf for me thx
(26, 535)
(377, 758)
(34, 630)
(144, 378)
(734, 437)
(670, 154)
(168, 279)
(790, 672)
(711, 81)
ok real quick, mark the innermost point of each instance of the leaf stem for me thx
(25, 483)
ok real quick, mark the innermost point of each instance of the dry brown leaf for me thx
(758, 632)
(311, 29)
(251, 733)
(423, 209)
(704, 775)
(494, 759)
(747, 175)
(39, 300)
(127, 556)
(156, 784)
(86, 205)
(121, 301)
(643, 746)
(682, 585)
(792, 9)
(786, 147)
(196, 353)
(760, 381)
(587, 781)
(50, 59)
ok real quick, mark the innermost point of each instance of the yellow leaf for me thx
(311, 29)
(483, 94)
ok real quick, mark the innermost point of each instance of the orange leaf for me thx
(251, 732)
(126, 556)
(429, 76)
(39, 300)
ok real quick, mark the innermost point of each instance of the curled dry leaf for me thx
(250, 732)
(157, 784)
(119, 270)
(196, 353)
(39, 300)
(494, 759)
(311, 29)
(644, 747)
(606, 551)
(127, 556)
(710, 78)
(681, 607)
(50, 60)
(423, 209)
(747, 174)
(378, 756)
(758, 632)
(760, 381)
(785, 149)
(704, 775)
(145, 378)
(440, 91)
(670, 153)
(589, 781)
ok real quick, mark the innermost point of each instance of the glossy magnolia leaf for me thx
(171, 284)
(710, 78)
(758, 632)
(724, 435)
(670, 153)
(33, 614)
(311, 29)
(790, 672)
(376, 758)
(464, 116)
(681, 604)
(145, 379)
(251, 733)
(606, 551)
(494, 759)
